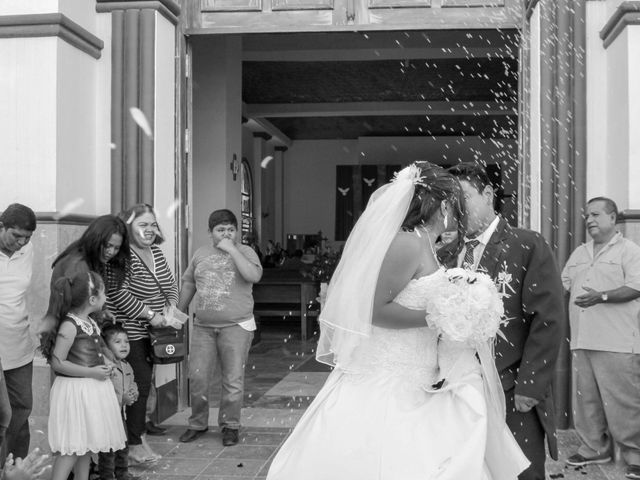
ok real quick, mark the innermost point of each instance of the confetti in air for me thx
(68, 208)
(265, 161)
(171, 210)
(112, 146)
(131, 218)
(141, 121)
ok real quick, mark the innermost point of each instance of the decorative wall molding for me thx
(628, 216)
(169, 9)
(627, 13)
(51, 25)
(71, 219)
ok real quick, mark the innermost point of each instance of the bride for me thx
(401, 403)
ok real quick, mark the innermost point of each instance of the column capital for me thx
(169, 9)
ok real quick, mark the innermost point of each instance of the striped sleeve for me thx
(140, 292)
(127, 305)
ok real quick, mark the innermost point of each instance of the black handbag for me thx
(167, 343)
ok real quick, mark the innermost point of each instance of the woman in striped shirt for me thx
(148, 286)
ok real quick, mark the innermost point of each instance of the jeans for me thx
(19, 388)
(230, 346)
(140, 360)
(114, 464)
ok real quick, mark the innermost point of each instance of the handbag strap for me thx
(153, 275)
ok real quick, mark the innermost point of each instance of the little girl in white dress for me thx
(84, 415)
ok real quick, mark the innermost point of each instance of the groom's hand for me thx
(524, 404)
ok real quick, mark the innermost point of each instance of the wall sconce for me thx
(235, 166)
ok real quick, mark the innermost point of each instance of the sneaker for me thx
(577, 460)
(229, 436)
(633, 471)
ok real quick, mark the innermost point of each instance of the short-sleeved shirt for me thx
(611, 327)
(17, 346)
(223, 296)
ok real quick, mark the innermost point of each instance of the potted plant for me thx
(322, 270)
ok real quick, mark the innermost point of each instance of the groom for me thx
(522, 265)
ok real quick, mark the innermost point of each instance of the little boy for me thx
(116, 464)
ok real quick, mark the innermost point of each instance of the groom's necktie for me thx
(468, 261)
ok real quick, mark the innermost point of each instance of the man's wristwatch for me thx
(604, 297)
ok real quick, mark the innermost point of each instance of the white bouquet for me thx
(466, 307)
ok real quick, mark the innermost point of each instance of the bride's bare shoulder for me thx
(406, 244)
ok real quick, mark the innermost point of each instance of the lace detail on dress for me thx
(409, 354)
(415, 293)
(87, 326)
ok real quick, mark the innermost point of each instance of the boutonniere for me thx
(503, 282)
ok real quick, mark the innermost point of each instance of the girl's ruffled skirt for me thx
(84, 416)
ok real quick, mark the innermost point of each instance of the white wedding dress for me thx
(387, 422)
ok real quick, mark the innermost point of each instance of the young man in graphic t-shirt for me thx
(221, 277)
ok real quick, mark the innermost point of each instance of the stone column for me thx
(562, 141)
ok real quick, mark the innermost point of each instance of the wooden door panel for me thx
(246, 16)
(302, 5)
(232, 5)
(399, 3)
(472, 3)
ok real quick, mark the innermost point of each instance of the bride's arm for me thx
(398, 268)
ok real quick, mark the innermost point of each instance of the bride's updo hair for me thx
(436, 185)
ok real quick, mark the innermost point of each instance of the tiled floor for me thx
(281, 380)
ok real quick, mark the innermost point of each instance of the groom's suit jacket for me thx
(521, 263)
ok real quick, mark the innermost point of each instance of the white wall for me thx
(633, 180)
(28, 117)
(76, 129)
(617, 129)
(164, 135)
(310, 169)
(103, 117)
(597, 93)
(217, 129)
(49, 111)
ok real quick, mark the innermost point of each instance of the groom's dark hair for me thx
(472, 173)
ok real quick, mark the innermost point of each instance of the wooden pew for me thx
(287, 294)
